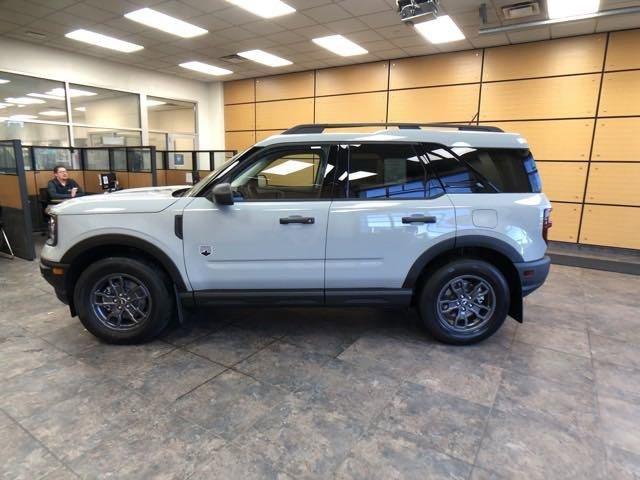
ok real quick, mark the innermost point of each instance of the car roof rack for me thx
(321, 127)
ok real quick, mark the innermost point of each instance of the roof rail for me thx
(321, 127)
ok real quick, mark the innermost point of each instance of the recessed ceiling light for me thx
(571, 8)
(73, 92)
(340, 45)
(265, 58)
(205, 68)
(264, 8)
(103, 41)
(4, 105)
(440, 30)
(53, 113)
(166, 23)
(154, 103)
(357, 175)
(80, 109)
(22, 117)
(288, 167)
(44, 95)
(2, 80)
(23, 100)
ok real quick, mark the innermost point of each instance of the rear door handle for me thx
(419, 219)
(297, 219)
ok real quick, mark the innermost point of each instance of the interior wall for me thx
(576, 100)
(40, 61)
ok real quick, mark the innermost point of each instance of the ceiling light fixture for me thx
(2, 80)
(288, 167)
(47, 96)
(53, 113)
(571, 8)
(340, 45)
(103, 41)
(205, 68)
(80, 109)
(23, 100)
(440, 30)
(154, 103)
(265, 58)
(264, 8)
(166, 23)
(22, 117)
(73, 92)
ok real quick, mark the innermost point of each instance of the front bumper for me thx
(51, 273)
(533, 274)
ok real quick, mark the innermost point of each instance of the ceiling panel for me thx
(373, 24)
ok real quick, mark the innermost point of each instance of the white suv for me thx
(449, 219)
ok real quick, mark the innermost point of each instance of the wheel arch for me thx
(114, 245)
(498, 253)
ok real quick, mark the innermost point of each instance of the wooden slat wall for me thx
(576, 100)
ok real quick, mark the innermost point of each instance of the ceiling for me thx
(374, 24)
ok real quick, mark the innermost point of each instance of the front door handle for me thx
(419, 219)
(297, 219)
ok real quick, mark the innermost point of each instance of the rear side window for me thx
(508, 170)
(381, 171)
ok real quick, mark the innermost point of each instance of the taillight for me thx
(546, 223)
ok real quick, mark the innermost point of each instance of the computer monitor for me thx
(108, 181)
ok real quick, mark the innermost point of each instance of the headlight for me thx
(53, 230)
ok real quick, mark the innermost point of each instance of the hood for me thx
(134, 200)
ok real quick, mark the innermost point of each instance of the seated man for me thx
(62, 187)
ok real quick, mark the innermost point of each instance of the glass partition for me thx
(102, 107)
(34, 133)
(24, 98)
(105, 137)
(139, 159)
(47, 158)
(96, 160)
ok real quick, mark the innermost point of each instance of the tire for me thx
(141, 290)
(452, 283)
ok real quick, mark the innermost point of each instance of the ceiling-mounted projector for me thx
(412, 10)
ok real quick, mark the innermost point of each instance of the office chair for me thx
(3, 237)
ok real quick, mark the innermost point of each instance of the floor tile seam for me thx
(554, 350)
(174, 402)
(41, 444)
(182, 346)
(231, 365)
(262, 348)
(631, 344)
(588, 384)
(74, 354)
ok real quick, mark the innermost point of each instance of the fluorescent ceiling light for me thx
(357, 175)
(23, 100)
(22, 117)
(571, 8)
(166, 23)
(103, 41)
(73, 92)
(45, 95)
(264, 8)
(81, 109)
(53, 113)
(265, 58)
(205, 68)
(340, 45)
(2, 80)
(290, 166)
(440, 30)
(4, 105)
(328, 169)
(154, 103)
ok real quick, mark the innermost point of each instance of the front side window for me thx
(379, 171)
(291, 173)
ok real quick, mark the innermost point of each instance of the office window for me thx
(102, 107)
(167, 115)
(106, 137)
(158, 140)
(35, 133)
(24, 98)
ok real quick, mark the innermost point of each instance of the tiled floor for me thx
(346, 394)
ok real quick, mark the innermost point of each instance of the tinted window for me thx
(376, 171)
(294, 173)
(454, 174)
(509, 170)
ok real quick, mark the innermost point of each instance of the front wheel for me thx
(464, 301)
(122, 300)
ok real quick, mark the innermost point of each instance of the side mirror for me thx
(222, 194)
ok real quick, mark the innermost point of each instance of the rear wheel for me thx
(122, 300)
(464, 302)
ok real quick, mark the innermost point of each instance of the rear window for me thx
(509, 170)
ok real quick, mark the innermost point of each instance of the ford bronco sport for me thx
(449, 219)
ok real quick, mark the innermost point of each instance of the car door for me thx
(389, 210)
(272, 239)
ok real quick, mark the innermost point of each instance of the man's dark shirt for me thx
(57, 191)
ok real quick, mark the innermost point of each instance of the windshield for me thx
(225, 167)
